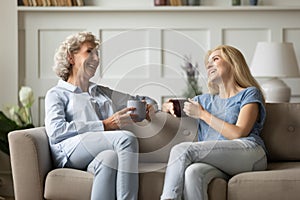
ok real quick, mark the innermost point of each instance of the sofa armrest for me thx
(31, 161)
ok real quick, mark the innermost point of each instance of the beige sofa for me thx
(35, 178)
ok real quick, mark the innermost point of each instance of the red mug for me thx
(178, 104)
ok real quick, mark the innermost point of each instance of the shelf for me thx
(157, 8)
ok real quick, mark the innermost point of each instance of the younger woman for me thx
(230, 118)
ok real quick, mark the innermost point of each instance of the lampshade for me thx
(275, 60)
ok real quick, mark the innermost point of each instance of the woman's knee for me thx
(107, 158)
(110, 158)
(191, 173)
(193, 179)
(203, 170)
(261, 163)
(128, 141)
(180, 149)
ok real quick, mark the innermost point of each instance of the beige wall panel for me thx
(245, 39)
(124, 53)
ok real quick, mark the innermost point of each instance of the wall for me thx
(8, 78)
(143, 49)
(8, 53)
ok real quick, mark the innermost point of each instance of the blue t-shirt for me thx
(228, 109)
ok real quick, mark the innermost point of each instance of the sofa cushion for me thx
(280, 181)
(281, 132)
(69, 184)
(157, 138)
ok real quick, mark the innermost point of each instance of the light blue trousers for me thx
(112, 156)
(192, 166)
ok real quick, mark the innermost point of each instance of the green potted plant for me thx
(18, 117)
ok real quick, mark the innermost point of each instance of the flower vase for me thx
(192, 88)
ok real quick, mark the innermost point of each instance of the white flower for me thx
(13, 112)
(26, 96)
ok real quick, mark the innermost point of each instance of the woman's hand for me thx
(118, 120)
(193, 109)
(169, 108)
(150, 112)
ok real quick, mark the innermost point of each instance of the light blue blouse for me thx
(71, 112)
(228, 110)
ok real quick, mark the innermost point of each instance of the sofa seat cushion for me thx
(280, 181)
(69, 184)
(76, 184)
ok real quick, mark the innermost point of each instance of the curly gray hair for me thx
(71, 45)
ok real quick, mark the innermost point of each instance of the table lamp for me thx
(275, 60)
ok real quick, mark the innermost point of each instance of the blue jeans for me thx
(112, 156)
(229, 156)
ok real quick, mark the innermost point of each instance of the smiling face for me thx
(85, 61)
(218, 70)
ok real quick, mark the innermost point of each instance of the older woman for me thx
(84, 122)
(230, 118)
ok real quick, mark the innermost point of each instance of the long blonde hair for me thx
(241, 71)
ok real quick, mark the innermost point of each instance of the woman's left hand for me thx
(193, 109)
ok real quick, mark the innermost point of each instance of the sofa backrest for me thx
(281, 132)
(157, 138)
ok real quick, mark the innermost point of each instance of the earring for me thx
(70, 59)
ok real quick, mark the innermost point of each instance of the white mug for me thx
(140, 109)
